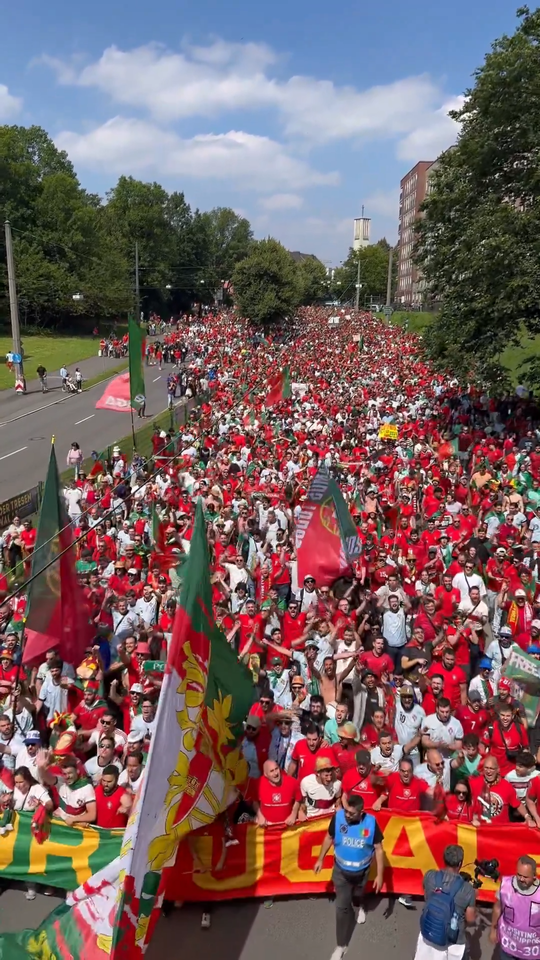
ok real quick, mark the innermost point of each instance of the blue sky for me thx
(294, 113)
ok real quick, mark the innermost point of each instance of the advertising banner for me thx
(279, 862)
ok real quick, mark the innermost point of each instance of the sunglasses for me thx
(461, 793)
(265, 702)
(249, 727)
(285, 723)
(106, 723)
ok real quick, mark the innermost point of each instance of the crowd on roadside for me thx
(386, 683)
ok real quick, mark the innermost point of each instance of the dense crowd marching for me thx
(385, 684)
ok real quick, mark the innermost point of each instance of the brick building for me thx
(414, 188)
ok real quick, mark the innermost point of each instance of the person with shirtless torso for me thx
(331, 683)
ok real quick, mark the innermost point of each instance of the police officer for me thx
(357, 838)
(515, 912)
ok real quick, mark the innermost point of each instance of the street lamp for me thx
(78, 296)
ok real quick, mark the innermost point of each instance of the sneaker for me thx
(406, 902)
(339, 953)
(206, 920)
(30, 894)
(361, 915)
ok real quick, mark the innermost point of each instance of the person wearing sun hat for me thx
(345, 750)
(321, 789)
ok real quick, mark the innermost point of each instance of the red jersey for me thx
(405, 797)
(452, 681)
(108, 812)
(356, 786)
(344, 759)
(306, 758)
(369, 735)
(277, 800)
(250, 627)
(499, 740)
(472, 721)
(492, 802)
(86, 718)
(457, 809)
(378, 664)
(449, 600)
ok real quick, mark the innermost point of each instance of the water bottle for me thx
(454, 924)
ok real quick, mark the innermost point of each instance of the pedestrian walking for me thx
(78, 380)
(64, 375)
(450, 905)
(357, 839)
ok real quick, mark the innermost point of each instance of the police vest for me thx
(354, 843)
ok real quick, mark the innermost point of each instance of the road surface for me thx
(302, 928)
(27, 424)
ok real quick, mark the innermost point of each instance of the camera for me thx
(482, 868)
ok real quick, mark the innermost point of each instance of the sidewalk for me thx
(13, 404)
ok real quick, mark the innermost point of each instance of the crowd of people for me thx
(385, 683)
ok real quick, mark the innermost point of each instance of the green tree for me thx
(266, 283)
(312, 280)
(373, 273)
(231, 240)
(478, 241)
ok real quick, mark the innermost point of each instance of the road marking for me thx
(12, 454)
(157, 378)
(84, 420)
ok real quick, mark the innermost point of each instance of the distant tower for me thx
(361, 231)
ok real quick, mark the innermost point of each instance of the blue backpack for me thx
(439, 923)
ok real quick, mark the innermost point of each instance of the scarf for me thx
(512, 619)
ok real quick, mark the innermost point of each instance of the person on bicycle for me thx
(42, 374)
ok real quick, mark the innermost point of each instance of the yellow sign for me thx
(388, 431)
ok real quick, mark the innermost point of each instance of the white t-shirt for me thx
(463, 582)
(54, 697)
(147, 610)
(24, 759)
(408, 724)
(430, 778)
(319, 798)
(440, 732)
(73, 497)
(73, 802)
(390, 763)
(521, 784)
(143, 727)
(15, 745)
(120, 738)
(95, 771)
(23, 801)
(124, 780)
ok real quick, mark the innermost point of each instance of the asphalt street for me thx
(28, 423)
(302, 929)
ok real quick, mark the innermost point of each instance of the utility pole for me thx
(389, 280)
(137, 288)
(357, 304)
(14, 309)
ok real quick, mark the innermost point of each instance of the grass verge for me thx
(50, 351)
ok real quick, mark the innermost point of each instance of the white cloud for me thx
(223, 78)
(385, 203)
(282, 201)
(137, 146)
(9, 105)
(430, 138)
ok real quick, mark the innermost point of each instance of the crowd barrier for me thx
(68, 857)
(275, 861)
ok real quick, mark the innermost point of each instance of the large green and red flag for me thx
(137, 389)
(194, 768)
(326, 537)
(57, 614)
(279, 388)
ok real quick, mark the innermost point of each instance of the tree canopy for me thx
(266, 283)
(478, 242)
(68, 241)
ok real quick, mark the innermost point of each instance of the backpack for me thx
(439, 923)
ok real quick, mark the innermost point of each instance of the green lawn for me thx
(52, 352)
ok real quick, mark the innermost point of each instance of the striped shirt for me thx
(72, 801)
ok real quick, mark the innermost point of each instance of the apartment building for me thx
(414, 189)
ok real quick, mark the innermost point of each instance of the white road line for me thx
(157, 378)
(85, 419)
(12, 454)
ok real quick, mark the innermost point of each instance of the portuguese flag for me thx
(137, 389)
(57, 613)
(279, 388)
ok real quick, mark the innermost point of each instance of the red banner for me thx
(279, 862)
(116, 395)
